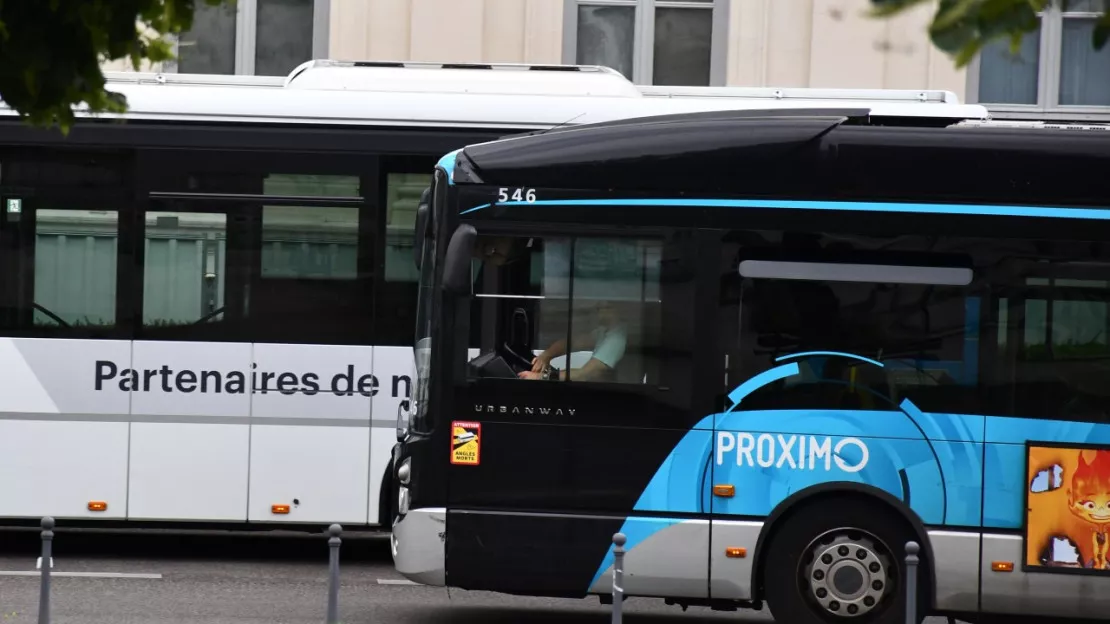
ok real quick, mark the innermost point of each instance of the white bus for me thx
(207, 305)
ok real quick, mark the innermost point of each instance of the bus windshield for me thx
(422, 345)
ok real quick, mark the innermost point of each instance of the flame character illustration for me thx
(1089, 500)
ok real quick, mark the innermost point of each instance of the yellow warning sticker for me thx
(466, 442)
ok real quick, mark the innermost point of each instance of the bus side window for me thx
(1052, 330)
(867, 327)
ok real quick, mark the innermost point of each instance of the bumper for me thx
(417, 543)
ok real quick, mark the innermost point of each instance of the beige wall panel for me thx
(790, 32)
(747, 42)
(543, 25)
(348, 35)
(447, 30)
(388, 28)
(461, 31)
(834, 44)
(503, 26)
(845, 42)
(905, 50)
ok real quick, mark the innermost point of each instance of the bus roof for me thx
(822, 153)
(508, 96)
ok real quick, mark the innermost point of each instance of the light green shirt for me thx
(609, 344)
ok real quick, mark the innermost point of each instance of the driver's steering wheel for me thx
(519, 363)
(503, 362)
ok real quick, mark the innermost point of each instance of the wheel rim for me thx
(847, 574)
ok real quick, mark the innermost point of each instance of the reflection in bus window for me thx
(310, 242)
(1055, 330)
(904, 325)
(403, 192)
(75, 268)
(1004, 335)
(184, 259)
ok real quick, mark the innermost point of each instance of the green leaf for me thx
(890, 8)
(954, 13)
(51, 51)
(962, 28)
(1102, 31)
(967, 54)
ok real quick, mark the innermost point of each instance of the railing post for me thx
(333, 573)
(618, 576)
(911, 581)
(47, 558)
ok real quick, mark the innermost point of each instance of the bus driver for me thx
(608, 341)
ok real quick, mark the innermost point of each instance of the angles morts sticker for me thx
(466, 442)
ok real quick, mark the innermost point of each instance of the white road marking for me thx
(111, 575)
(396, 582)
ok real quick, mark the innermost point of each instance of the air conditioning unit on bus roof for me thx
(908, 96)
(483, 78)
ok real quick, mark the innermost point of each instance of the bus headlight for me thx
(402, 420)
(402, 500)
(404, 471)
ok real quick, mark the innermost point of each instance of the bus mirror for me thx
(456, 265)
(420, 233)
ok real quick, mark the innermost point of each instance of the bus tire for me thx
(840, 561)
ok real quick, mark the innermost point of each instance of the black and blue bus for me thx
(771, 348)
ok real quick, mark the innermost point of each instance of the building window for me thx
(1057, 72)
(256, 37)
(651, 42)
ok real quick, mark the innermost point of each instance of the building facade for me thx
(779, 43)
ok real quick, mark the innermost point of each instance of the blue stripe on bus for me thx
(952, 209)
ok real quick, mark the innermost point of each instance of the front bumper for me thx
(417, 544)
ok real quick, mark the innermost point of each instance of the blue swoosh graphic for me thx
(794, 356)
(760, 380)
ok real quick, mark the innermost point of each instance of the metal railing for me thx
(47, 562)
(911, 581)
(618, 576)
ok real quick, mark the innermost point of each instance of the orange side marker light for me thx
(98, 506)
(1002, 566)
(279, 509)
(736, 552)
(724, 490)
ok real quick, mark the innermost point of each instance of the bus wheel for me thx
(838, 564)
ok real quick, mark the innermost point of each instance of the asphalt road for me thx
(163, 578)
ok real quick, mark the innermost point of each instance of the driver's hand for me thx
(539, 363)
(528, 375)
